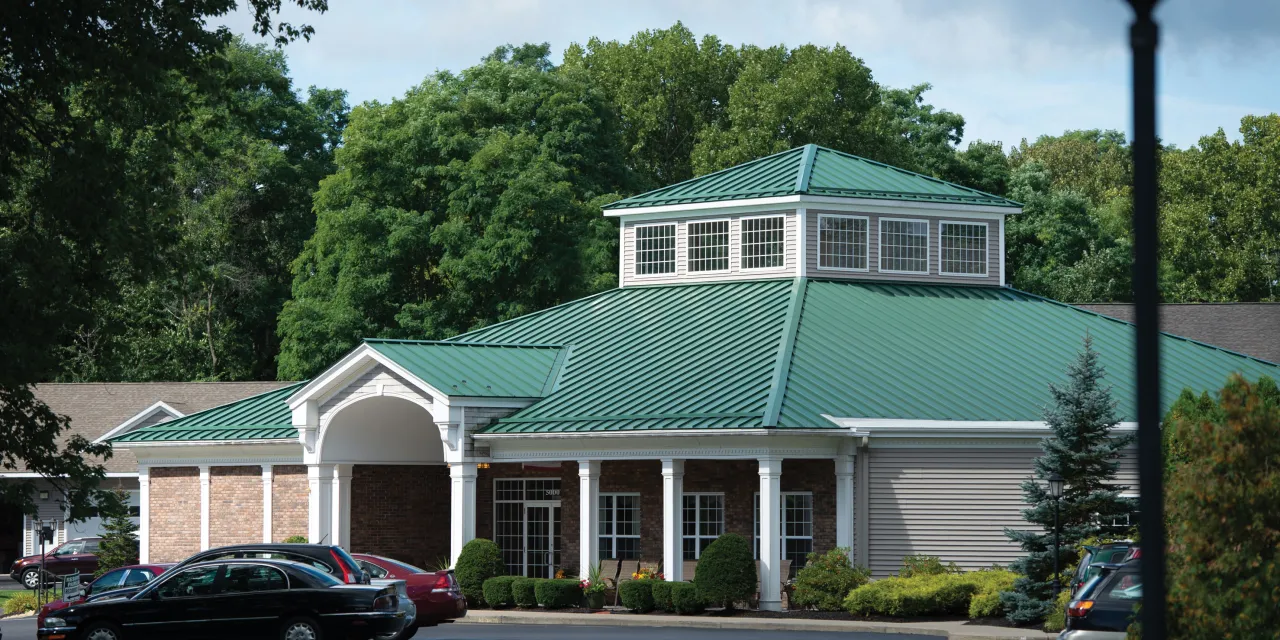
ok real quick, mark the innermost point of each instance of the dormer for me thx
(813, 212)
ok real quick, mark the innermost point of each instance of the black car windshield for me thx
(320, 578)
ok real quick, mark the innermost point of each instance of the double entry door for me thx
(527, 526)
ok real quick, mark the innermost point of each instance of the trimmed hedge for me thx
(497, 591)
(524, 592)
(922, 595)
(558, 594)
(480, 560)
(986, 602)
(637, 595)
(826, 580)
(685, 599)
(726, 571)
(662, 596)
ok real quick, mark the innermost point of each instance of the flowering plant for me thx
(647, 573)
(559, 574)
(593, 583)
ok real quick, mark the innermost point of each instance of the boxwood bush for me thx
(637, 595)
(726, 571)
(497, 591)
(662, 596)
(826, 580)
(480, 560)
(685, 599)
(558, 594)
(524, 592)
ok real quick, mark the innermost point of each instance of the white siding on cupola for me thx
(682, 273)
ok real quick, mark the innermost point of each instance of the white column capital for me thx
(770, 466)
(463, 470)
(672, 467)
(588, 468)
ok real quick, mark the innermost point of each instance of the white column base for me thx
(770, 534)
(462, 511)
(673, 519)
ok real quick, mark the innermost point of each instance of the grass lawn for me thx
(5, 594)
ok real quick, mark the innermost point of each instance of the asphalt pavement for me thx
(25, 629)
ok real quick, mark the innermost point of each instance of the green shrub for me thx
(20, 603)
(986, 602)
(726, 572)
(925, 566)
(480, 560)
(524, 592)
(1057, 619)
(922, 595)
(662, 596)
(296, 540)
(497, 591)
(558, 594)
(637, 595)
(685, 599)
(826, 580)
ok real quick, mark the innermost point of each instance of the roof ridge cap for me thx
(807, 160)
(786, 345)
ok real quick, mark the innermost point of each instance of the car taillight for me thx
(386, 603)
(348, 576)
(1079, 608)
(442, 584)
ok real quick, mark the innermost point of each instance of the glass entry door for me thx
(542, 539)
(527, 525)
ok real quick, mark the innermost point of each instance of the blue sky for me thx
(1014, 69)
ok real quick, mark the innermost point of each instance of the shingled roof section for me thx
(1251, 328)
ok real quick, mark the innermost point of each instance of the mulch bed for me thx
(794, 615)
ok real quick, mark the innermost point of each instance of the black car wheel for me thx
(31, 578)
(300, 629)
(101, 631)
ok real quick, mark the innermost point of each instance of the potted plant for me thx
(593, 588)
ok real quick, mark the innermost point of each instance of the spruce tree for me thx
(119, 546)
(1085, 452)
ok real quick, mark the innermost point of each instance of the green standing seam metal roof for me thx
(261, 417)
(812, 170)
(478, 370)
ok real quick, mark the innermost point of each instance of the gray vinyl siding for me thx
(1127, 474)
(873, 250)
(367, 384)
(477, 420)
(683, 274)
(954, 503)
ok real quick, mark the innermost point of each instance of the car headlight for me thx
(55, 622)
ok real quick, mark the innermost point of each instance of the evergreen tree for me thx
(1084, 451)
(119, 546)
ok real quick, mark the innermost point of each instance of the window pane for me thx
(628, 548)
(248, 578)
(655, 249)
(709, 246)
(606, 547)
(137, 577)
(689, 548)
(904, 246)
(190, 583)
(763, 242)
(109, 580)
(964, 248)
(842, 242)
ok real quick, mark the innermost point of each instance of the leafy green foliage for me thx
(1224, 517)
(662, 595)
(24, 602)
(296, 540)
(922, 565)
(685, 599)
(921, 595)
(826, 579)
(1084, 451)
(1056, 621)
(480, 560)
(119, 546)
(986, 603)
(524, 592)
(558, 594)
(637, 595)
(726, 571)
(497, 591)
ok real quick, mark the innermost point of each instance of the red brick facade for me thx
(174, 526)
(289, 491)
(235, 505)
(401, 512)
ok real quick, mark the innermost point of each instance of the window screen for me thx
(842, 242)
(655, 249)
(709, 246)
(964, 248)
(764, 242)
(904, 246)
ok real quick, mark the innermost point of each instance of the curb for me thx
(740, 624)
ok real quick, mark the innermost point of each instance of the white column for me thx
(862, 506)
(844, 502)
(672, 519)
(319, 480)
(340, 530)
(144, 514)
(204, 507)
(770, 534)
(462, 512)
(266, 502)
(588, 516)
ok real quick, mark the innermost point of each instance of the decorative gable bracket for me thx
(449, 434)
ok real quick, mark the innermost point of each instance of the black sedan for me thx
(234, 599)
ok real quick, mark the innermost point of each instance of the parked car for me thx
(331, 559)
(240, 598)
(437, 593)
(1111, 552)
(129, 577)
(67, 558)
(1105, 606)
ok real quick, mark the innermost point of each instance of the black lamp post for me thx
(1055, 490)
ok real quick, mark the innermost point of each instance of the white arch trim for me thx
(429, 434)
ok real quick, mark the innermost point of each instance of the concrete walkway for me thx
(954, 630)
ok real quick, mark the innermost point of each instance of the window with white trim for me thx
(796, 524)
(904, 246)
(703, 522)
(708, 246)
(655, 249)
(764, 242)
(963, 248)
(842, 242)
(620, 526)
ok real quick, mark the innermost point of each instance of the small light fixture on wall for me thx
(482, 465)
(44, 495)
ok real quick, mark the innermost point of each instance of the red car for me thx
(69, 557)
(436, 593)
(122, 578)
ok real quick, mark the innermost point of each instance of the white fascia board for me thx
(824, 203)
(128, 425)
(952, 428)
(686, 433)
(32, 474)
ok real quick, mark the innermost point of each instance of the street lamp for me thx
(1055, 490)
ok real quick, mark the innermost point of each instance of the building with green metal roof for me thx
(812, 349)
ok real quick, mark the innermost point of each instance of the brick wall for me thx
(289, 492)
(235, 505)
(401, 512)
(174, 513)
